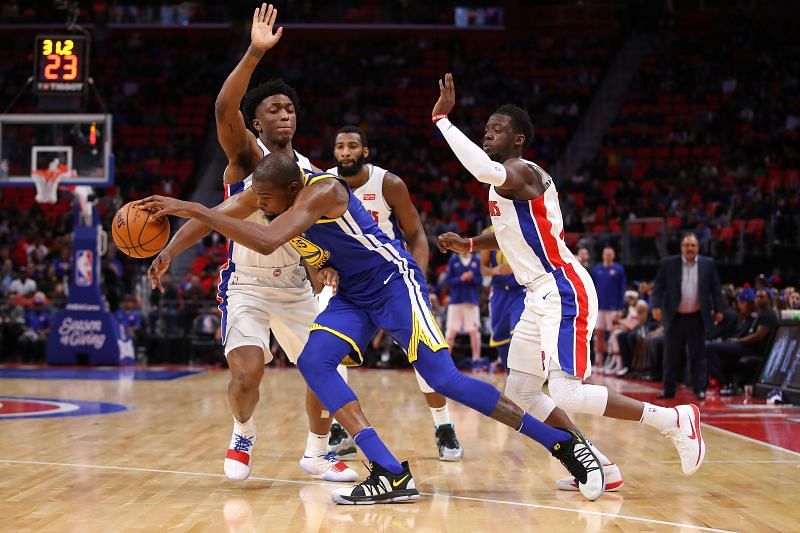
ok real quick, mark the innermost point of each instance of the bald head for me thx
(278, 170)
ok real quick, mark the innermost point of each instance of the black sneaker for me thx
(340, 443)
(449, 447)
(381, 486)
(577, 457)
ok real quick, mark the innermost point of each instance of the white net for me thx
(47, 180)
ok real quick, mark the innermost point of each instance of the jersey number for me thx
(374, 215)
(494, 210)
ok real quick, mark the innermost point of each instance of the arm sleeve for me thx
(471, 156)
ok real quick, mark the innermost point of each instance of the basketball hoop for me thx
(47, 180)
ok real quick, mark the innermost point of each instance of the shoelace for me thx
(583, 457)
(675, 435)
(242, 443)
(331, 457)
(373, 481)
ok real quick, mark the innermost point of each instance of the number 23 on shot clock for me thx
(61, 64)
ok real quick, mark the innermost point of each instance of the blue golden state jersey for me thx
(501, 280)
(352, 243)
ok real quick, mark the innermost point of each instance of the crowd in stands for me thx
(708, 139)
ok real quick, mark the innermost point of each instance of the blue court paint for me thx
(12, 408)
(95, 373)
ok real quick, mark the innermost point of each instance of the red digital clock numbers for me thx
(61, 64)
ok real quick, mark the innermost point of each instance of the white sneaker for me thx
(239, 459)
(686, 437)
(611, 473)
(578, 458)
(327, 467)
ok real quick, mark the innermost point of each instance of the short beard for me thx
(347, 172)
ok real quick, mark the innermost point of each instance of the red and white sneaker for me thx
(328, 468)
(686, 437)
(612, 475)
(239, 459)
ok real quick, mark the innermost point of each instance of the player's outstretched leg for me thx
(568, 446)
(389, 480)
(525, 390)
(680, 424)
(445, 430)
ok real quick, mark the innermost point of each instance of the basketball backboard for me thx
(78, 145)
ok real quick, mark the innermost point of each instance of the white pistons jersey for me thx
(284, 263)
(531, 232)
(371, 195)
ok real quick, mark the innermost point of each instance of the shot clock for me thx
(61, 64)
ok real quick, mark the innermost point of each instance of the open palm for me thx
(261, 35)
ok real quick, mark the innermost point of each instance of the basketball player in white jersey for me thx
(259, 293)
(551, 340)
(386, 198)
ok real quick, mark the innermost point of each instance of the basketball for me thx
(137, 233)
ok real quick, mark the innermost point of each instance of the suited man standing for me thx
(687, 299)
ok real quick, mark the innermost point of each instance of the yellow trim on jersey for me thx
(418, 335)
(316, 178)
(348, 360)
(494, 344)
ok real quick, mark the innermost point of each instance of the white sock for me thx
(600, 457)
(441, 415)
(316, 445)
(658, 417)
(248, 429)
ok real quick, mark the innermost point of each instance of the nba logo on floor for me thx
(83, 268)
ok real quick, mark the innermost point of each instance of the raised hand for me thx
(452, 241)
(447, 96)
(262, 37)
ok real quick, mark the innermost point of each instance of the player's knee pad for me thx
(574, 396)
(423, 385)
(525, 390)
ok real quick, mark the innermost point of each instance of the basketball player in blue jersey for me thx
(380, 286)
(551, 339)
(259, 294)
(385, 197)
(506, 300)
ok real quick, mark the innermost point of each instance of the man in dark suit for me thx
(687, 299)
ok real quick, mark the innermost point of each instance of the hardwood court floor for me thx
(158, 466)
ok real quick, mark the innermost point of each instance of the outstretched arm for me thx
(472, 156)
(326, 198)
(239, 206)
(236, 140)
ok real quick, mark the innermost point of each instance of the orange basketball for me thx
(137, 233)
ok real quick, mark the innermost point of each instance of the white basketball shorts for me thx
(556, 326)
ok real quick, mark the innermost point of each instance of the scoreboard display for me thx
(61, 64)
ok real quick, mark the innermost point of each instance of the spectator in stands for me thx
(130, 317)
(687, 299)
(6, 276)
(37, 328)
(584, 258)
(622, 340)
(730, 317)
(744, 352)
(24, 285)
(464, 278)
(165, 309)
(12, 324)
(609, 280)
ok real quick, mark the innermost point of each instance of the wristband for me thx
(471, 245)
(437, 118)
